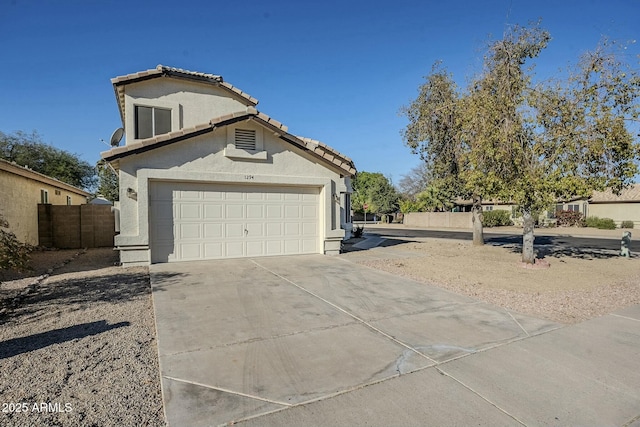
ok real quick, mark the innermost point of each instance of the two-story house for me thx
(204, 175)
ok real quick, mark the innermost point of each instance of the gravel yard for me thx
(78, 348)
(578, 286)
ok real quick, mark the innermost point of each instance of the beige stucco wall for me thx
(191, 103)
(19, 199)
(617, 211)
(438, 219)
(204, 159)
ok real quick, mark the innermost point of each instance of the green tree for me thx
(434, 199)
(435, 133)
(108, 184)
(376, 191)
(29, 150)
(529, 143)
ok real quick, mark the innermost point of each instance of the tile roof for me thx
(161, 70)
(630, 194)
(317, 148)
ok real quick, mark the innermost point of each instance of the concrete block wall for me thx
(73, 227)
(439, 219)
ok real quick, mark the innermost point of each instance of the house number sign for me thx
(249, 177)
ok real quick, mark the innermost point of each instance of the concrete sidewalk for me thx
(316, 340)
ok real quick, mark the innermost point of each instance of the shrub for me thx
(626, 224)
(569, 219)
(496, 218)
(14, 255)
(601, 223)
(357, 231)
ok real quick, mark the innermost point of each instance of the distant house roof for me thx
(16, 169)
(100, 201)
(162, 71)
(316, 148)
(627, 195)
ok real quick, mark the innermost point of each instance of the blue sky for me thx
(337, 71)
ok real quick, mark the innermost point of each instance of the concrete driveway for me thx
(317, 340)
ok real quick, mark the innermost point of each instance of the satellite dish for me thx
(116, 137)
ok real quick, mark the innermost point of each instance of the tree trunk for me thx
(476, 219)
(528, 255)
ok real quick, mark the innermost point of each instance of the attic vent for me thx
(245, 139)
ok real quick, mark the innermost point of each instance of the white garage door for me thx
(190, 221)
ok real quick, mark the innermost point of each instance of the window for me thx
(58, 192)
(347, 207)
(487, 208)
(68, 200)
(573, 208)
(44, 197)
(152, 121)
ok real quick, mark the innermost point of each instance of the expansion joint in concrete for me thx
(337, 307)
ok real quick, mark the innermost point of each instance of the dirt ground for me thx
(78, 343)
(577, 286)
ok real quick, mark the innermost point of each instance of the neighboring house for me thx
(622, 207)
(22, 189)
(204, 175)
(603, 204)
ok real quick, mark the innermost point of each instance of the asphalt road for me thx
(545, 244)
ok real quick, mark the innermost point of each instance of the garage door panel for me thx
(189, 231)
(234, 249)
(309, 212)
(255, 196)
(309, 245)
(291, 247)
(255, 211)
(189, 195)
(255, 248)
(190, 211)
(234, 195)
(234, 230)
(212, 231)
(292, 211)
(273, 197)
(291, 229)
(192, 221)
(309, 229)
(273, 247)
(213, 250)
(273, 229)
(212, 195)
(212, 211)
(274, 212)
(190, 251)
(234, 211)
(254, 230)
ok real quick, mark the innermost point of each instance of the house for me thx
(619, 207)
(22, 189)
(205, 175)
(603, 204)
